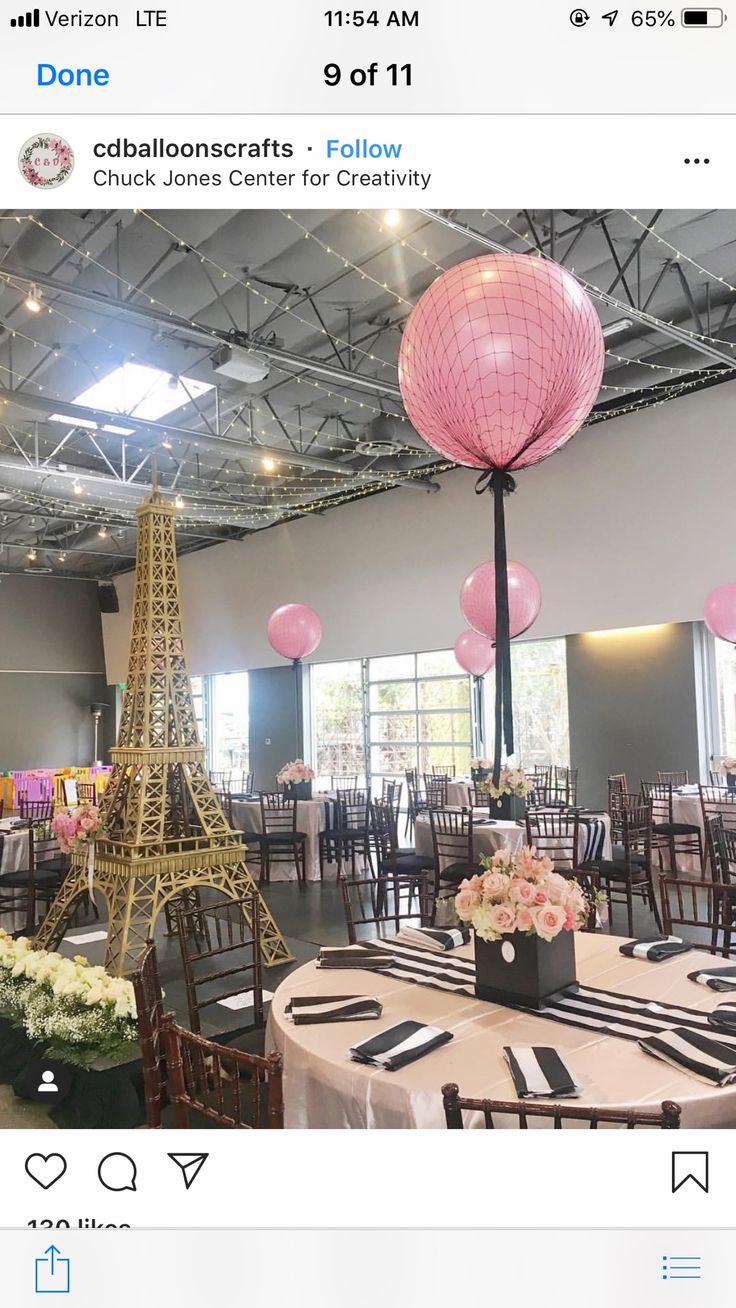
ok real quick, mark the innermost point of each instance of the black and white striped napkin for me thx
(655, 948)
(399, 1045)
(593, 830)
(309, 1010)
(540, 1073)
(716, 978)
(723, 1016)
(708, 1060)
(434, 938)
(361, 956)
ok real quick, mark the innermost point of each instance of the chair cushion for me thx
(454, 873)
(23, 879)
(412, 863)
(676, 829)
(613, 869)
(619, 856)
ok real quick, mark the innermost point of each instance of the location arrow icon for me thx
(190, 1165)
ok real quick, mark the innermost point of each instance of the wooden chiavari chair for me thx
(376, 904)
(452, 846)
(280, 841)
(220, 947)
(667, 1119)
(150, 1014)
(629, 872)
(435, 791)
(680, 839)
(225, 1086)
(701, 906)
(673, 779)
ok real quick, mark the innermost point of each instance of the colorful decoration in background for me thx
(501, 361)
(475, 653)
(478, 599)
(294, 631)
(719, 612)
(48, 783)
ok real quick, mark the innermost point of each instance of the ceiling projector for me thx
(242, 365)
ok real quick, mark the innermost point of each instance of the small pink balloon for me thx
(475, 654)
(294, 631)
(720, 612)
(478, 599)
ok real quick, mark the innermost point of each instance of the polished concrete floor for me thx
(306, 919)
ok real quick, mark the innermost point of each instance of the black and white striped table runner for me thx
(629, 1017)
(594, 833)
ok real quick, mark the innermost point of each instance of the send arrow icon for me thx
(191, 1165)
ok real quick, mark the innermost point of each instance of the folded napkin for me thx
(308, 1010)
(399, 1045)
(716, 978)
(539, 1073)
(354, 956)
(434, 938)
(655, 948)
(724, 1016)
(701, 1057)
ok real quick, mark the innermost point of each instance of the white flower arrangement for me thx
(292, 773)
(511, 781)
(476, 763)
(77, 1011)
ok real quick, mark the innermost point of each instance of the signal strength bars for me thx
(30, 19)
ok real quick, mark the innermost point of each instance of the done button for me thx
(50, 75)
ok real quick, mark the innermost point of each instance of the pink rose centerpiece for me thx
(524, 915)
(507, 798)
(75, 828)
(296, 778)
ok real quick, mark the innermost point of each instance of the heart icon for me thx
(45, 1169)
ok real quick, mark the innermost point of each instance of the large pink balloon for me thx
(294, 631)
(501, 361)
(478, 599)
(720, 612)
(474, 653)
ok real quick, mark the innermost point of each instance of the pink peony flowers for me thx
(521, 892)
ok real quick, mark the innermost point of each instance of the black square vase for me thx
(508, 808)
(731, 780)
(298, 789)
(523, 970)
(480, 774)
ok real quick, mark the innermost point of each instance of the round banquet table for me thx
(458, 793)
(323, 1088)
(512, 835)
(311, 817)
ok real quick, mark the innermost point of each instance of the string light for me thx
(33, 300)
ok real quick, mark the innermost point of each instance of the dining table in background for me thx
(490, 835)
(324, 1088)
(312, 816)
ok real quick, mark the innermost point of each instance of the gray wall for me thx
(633, 705)
(272, 712)
(51, 670)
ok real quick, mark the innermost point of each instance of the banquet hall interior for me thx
(368, 732)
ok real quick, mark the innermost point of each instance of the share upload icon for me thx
(190, 1166)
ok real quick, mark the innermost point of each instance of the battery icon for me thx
(702, 18)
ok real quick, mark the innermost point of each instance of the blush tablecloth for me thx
(311, 817)
(488, 839)
(324, 1089)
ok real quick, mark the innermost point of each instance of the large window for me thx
(338, 743)
(541, 722)
(726, 683)
(419, 715)
(229, 717)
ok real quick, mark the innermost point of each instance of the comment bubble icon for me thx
(118, 1172)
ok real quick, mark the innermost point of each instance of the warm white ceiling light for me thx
(78, 489)
(89, 425)
(32, 555)
(166, 443)
(615, 328)
(178, 502)
(62, 558)
(102, 531)
(269, 464)
(392, 217)
(33, 300)
(142, 392)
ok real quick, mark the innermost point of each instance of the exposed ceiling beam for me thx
(213, 335)
(42, 404)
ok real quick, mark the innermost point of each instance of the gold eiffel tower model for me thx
(162, 829)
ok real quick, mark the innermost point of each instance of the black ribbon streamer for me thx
(500, 484)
